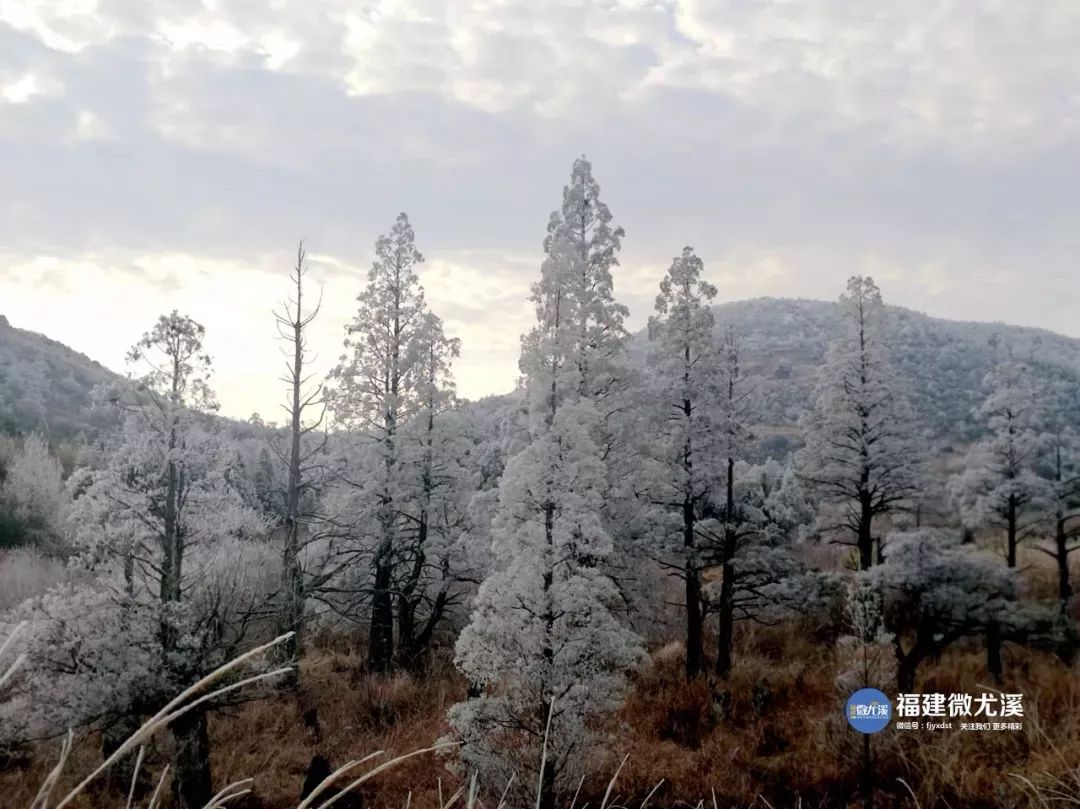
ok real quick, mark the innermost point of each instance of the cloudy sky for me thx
(169, 153)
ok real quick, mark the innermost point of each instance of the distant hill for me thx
(45, 386)
(944, 361)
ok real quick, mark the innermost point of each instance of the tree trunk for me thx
(192, 785)
(292, 614)
(866, 781)
(907, 663)
(419, 650)
(865, 534)
(993, 652)
(726, 626)
(547, 786)
(406, 624)
(726, 611)
(381, 635)
(408, 600)
(1011, 532)
(906, 667)
(694, 645)
(1061, 556)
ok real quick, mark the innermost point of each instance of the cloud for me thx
(180, 149)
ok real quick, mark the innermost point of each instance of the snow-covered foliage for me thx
(756, 549)
(935, 591)
(32, 495)
(92, 659)
(176, 567)
(1000, 485)
(862, 454)
(544, 648)
(580, 232)
(399, 507)
(684, 449)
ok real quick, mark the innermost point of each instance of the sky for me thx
(160, 154)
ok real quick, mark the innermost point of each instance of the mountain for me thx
(943, 361)
(45, 386)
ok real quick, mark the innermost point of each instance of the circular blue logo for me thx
(868, 710)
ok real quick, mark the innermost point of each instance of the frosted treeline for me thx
(543, 539)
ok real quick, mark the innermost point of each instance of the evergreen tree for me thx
(861, 456)
(686, 396)
(1000, 486)
(543, 646)
(374, 393)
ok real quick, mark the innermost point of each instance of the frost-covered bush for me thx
(32, 496)
(91, 659)
(26, 573)
(935, 591)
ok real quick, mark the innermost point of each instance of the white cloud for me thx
(969, 74)
(155, 150)
(20, 90)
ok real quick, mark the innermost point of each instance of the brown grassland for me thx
(773, 735)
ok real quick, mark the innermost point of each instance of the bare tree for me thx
(292, 323)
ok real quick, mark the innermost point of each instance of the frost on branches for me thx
(861, 455)
(400, 502)
(935, 591)
(684, 460)
(173, 568)
(751, 543)
(32, 495)
(1000, 486)
(543, 634)
(372, 395)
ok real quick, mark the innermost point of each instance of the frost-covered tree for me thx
(544, 647)
(683, 457)
(581, 229)
(732, 524)
(935, 591)
(1000, 486)
(865, 657)
(866, 648)
(751, 541)
(168, 534)
(32, 494)
(434, 501)
(861, 456)
(375, 390)
(1064, 473)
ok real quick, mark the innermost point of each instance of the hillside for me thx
(943, 361)
(45, 386)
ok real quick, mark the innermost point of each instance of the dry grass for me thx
(355, 716)
(772, 735)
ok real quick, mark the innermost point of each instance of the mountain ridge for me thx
(45, 384)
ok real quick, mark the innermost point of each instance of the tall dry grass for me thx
(772, 735)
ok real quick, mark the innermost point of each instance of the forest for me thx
(650, 575)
